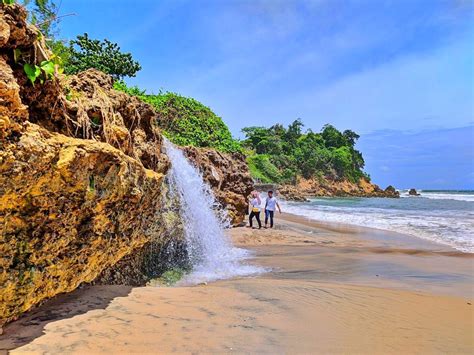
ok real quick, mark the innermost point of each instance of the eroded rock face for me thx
(69, 208)
(325, 187)
(81, 179)
(229, 177)
(291, 193)
(81, 174)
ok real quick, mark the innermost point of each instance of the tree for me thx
(259, 138)
(350, 136)
(342, 161)
(310, 154)
(293, 133)
(332, 137)
(307, 154)
(44, 15)
(103, 55)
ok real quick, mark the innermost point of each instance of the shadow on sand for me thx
(31, 325)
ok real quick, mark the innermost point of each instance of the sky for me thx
(400, 72)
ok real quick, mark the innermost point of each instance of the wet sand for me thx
(332, 289)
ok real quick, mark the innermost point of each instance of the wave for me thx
(443, 227)
(442, 195)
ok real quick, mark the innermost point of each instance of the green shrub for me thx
(262, 169)
(186, 121)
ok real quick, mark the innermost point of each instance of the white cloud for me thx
(401, 94)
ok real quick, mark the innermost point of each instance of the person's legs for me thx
(257, 216)
(266, 217)
(251, 217)
(271, 218)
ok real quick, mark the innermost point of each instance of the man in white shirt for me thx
(270, 204)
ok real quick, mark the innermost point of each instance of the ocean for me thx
(444, 217)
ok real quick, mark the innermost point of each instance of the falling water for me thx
(210, 251)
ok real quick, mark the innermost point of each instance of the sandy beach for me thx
(331, 289)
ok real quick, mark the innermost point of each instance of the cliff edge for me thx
(81, 171)
(83, 196)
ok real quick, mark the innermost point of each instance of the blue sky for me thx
(401, 66)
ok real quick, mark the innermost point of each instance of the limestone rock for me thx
(328, 187)
(4, 31)
(15, 32)
(69, 208)
(291, 193)
(81, 175)
(228, 176)
(12, 110)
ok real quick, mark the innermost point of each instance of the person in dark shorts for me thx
(270, 204)
(255, 203)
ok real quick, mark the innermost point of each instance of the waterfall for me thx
(210, 251)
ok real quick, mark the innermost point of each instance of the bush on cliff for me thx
(186, 121)
(84, 53)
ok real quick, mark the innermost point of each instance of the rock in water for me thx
(390, 191)
(413, 192)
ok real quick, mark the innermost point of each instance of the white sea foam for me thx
(446, 222)
(211, 252)
(439, 195)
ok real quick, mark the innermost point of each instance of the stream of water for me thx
(211, 252)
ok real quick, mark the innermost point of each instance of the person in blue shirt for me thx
(270, 204)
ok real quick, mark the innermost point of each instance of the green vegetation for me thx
(172, 276)
(81, 53)
(186, 121)
(44, 71)
(169, 277)
(44, 15)
(84, 53)
(280, 154)
(262, 169)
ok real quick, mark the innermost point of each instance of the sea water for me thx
(209, 249)
(444, 217)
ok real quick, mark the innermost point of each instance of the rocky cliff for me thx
(229, 177)
(329, 188)
(81, 171)
(82, 193)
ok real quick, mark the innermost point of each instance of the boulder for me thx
(390, 191)
(291, 193)
(413, 192)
